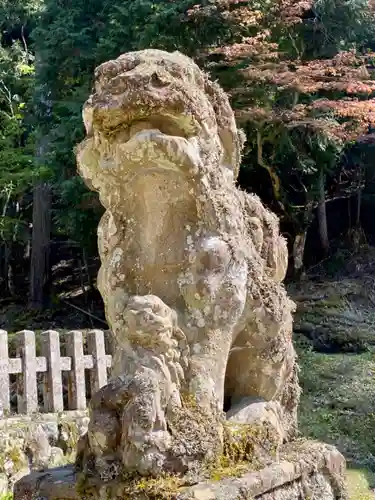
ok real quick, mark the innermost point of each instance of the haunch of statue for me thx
(191, 273)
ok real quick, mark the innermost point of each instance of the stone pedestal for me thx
(305, 470)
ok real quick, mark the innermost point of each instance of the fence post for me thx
(52, 387)
(4, 374)
(96, 347)
(76, 377)
(27, 388)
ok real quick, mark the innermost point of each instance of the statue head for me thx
(154, 111)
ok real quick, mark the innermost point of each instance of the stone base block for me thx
(35, 442)
(306, 470)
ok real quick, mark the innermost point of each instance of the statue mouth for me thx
(181, 125)
(160, 141)
(140, 128)
(154, 145)
(153, 149)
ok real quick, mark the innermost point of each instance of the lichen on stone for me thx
(204, 378)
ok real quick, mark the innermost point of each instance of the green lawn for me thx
(338, 406)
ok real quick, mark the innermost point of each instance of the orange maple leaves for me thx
(335, 96)
(347, 73)
(341, 93)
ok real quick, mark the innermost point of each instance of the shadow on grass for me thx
(338, 404)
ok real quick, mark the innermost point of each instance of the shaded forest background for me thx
(301, 78)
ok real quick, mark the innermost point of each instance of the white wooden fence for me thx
(54, 368)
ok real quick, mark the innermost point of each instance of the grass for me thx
(338, 406)
(359, 485)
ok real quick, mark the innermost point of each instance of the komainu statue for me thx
(191, 275)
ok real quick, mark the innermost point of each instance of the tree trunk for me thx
(275, 179)
(42, 200)
(322, 213)
(4, 274)
(40, 245)
(359, 203)
(298, 253)
(5, 254)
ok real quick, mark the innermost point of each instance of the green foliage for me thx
(79, 209)
(337, 25)
(299, 150)
(72, 40)
(41, 98)
(16, 147)
(140, 24)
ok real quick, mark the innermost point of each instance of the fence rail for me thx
(59, 375)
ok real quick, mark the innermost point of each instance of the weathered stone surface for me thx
(191, 279)
(191, 270)
(306, 471)
(59, 483)
(38, 442)
(248, 411)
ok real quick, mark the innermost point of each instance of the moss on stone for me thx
(14, 455)
(244, 447)
(131, 487)
(219, 448)
(84, 488)
(69, 446)
(196, 432)
(163, 487)
(18, 458)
